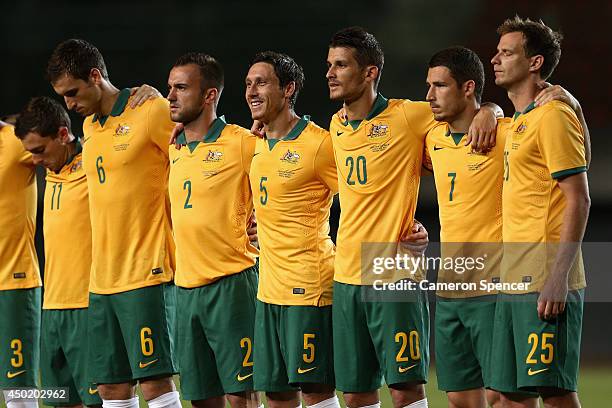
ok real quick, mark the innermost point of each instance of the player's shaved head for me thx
(41, 115)
(367, 49)
(211, 71)
(463, 64)
(286, 70)
(76, 58)
(539, 39)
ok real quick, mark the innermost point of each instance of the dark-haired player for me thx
(125, 157)
(293, 178)
(216, 272)
(545, 211)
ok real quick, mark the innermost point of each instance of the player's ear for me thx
(63, 135)
(469, 87)
(535, 63)
(290, 90)
(372, 73)
(95, 76)
(211, 95)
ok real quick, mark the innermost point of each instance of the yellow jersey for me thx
(469, 191)
(67, 232)
(18, 260)
(544, 144)
(125, 156)
(294, 180)
(379, 163)
(212, 204)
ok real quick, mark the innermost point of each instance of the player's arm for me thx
(325, 165)
(552, 298)
(143, 93)
(551, 92)
(427, 169)
(483, 129)
(159, 125)
(247, 151)
(416, 240)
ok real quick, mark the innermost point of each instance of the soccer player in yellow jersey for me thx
(378, 151)
(216, 270)
(44, 129)
(469, 190)
(545, 211)
(132, 299)
(19, 276)
(293, 179)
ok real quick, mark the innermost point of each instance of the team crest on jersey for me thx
(378, 131)
(521, 128)
(291, 157)
(122, 130)
(76, 166)
(213, 156)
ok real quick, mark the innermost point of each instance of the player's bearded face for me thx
(264, 95)
(185, 93)
(345, 77)
(510, 64)
(80, 96)
(445, 97)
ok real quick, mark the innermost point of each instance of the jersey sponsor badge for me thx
(122, 131)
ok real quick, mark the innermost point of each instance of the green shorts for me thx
(215, 336)
(373, 340)
(529, 353)
(19, 337)
(463, 335)
(293, 346)
(64, 356)
(130, 334)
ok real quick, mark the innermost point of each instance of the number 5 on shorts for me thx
(309, 356)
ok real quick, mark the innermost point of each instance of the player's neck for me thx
(462, 122)
(522, 94)
(109, 97)
(281, 125)
(195, 130)
(359, 108)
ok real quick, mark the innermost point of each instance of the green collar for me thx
(118, 107)
(214, 131)
(380, 104)
(293, 134)
(457, 136)
(529, 108)
(77, 151)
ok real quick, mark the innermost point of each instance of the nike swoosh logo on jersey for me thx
(241, 378)
(534, 372)
(10, 375)
(339, 133)
(404, 369)
(92, 391)
(175, 160)
(305, 370)
(144, 365)
(436, 148)
(256, 154)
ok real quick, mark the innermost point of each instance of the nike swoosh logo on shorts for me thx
(305, 370)
(404, 369)
(144, 365)
(241, 378)
(534, 372)
(10, 375)
(92, 391)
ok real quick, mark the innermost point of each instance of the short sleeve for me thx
(159, 124)
(419, 117)
(561, 142)
(247, 149)
(325, 164)
(426, 156)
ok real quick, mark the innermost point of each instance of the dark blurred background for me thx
(141, 40)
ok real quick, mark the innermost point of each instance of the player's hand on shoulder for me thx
(178, 128)
(258, 129)
(550, 92)
(141, 94)
(483, 130)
